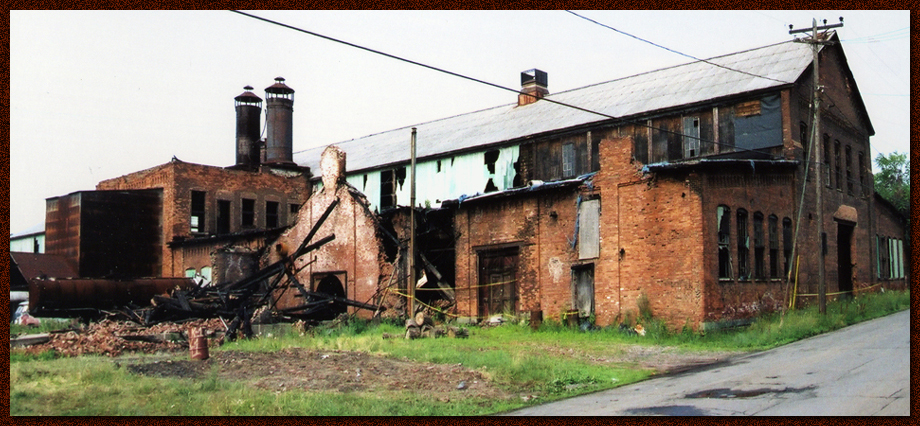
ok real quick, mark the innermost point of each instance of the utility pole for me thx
(815, 133)
(411, 260)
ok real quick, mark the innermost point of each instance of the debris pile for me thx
(111, 338)
(423, 326)
(249, 297)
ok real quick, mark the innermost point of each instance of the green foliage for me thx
(22, 356)
(892, 181)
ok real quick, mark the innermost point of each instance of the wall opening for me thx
(223, 216)
(330, 284)
(248, 213)
(845, 258)
(583, 289)
(197, 211)
(490, 158)
(271, 214)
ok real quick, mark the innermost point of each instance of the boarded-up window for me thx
(498, 282)
(849, 165)
(589, 229)
(747, 109)
(838, 175)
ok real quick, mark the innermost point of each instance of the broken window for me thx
(490, 158)
(744, 247)
(837, 175)
(589, 229)
(248, 217)
(760, 266)
(387, 189)
(568, 160)
(223, 216)
(826, 146)
(773, 235)
(490, 187)
(271, 214)
(787, 244)
(849, 166)
(692, 136)
(723, 218)
(498, 282)
(197, 210)
(294, 208)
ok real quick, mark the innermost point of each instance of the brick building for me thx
(684, 191)
(194, 210)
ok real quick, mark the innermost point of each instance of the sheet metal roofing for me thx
(762, 68)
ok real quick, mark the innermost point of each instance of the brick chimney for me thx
(533, 87)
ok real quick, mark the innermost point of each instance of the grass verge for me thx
(552, 363)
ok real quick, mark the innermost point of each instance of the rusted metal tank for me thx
(67, 297)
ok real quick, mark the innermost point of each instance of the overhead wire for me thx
(498, 86)
(677, 52)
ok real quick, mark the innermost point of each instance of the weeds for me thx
(549, 363)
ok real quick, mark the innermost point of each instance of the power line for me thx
(674, 51)
(498, 86)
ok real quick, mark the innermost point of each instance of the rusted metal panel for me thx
(120, 233)
(62, 296)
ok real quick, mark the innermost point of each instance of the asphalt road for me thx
(860, 370)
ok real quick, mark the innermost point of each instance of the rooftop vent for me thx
(533, 86)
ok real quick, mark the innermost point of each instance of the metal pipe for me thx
(411, 286)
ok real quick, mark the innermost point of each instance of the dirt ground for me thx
(341, 371)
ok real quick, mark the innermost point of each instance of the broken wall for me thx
(352, 264)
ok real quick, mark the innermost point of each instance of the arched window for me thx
(760, 264)
(773, 235)
(723, 219)
(744, 246)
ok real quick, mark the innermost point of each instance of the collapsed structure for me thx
(681, 197)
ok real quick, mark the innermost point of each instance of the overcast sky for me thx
(96, 95)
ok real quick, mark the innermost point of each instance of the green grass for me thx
(553, 362)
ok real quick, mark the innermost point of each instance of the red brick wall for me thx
(178, 179)
(356, 250)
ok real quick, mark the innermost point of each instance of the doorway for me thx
(845, 258)
(583, 290)
(330, 285)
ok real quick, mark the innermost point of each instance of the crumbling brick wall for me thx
(355, 257)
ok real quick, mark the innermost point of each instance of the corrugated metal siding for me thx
(643, 93)
(464, 174)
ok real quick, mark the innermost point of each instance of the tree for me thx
(892, 181)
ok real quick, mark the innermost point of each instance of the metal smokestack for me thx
(248, 128)
(279, 100)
